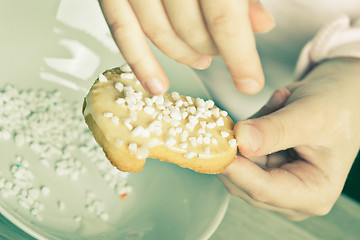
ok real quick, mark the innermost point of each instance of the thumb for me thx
(293, 125)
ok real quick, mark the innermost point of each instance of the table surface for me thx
(243, 221)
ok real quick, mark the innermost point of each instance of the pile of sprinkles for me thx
(55, 132)
(191, 126)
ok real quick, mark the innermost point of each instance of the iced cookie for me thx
(131, 125)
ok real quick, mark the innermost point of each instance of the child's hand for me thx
(190, 32)
(307, 137)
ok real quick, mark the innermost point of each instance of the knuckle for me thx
(279, 130)
(157, 35)
(223, 24)
(197, 38)
(118, 29)
(259, 196)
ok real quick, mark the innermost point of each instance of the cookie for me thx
(131, 125)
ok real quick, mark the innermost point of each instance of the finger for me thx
(276, 101)
(293, 125)
(276, 160)
(133, 45)
(230, 27)
(155, 24)
(260, 18)
(298, 185)
(236, 191)
(189, 24)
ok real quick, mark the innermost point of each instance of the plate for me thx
(55, 183)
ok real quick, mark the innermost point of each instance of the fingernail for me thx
(249, 138)
(248, 86)
(279, 98)
(154, 86)
(203, 63)
(276, 100)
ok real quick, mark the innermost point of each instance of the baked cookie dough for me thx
(131, 125)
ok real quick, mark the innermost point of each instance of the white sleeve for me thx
(339, 38)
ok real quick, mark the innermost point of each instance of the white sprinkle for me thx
(153, 142)
(149, 110)
(138, 131)
(200, 102)
(207, 114)
(215, 112)
(125, 68)
(138, 96)
(127, 124)
(220, 122)
(175, 114)
(183, 145)
(154, 125)
(178, 130)
(201, 109)
(133, 116)
(201, 131)
(166, 111)
(189, 126)
(172, 132)
(189, 99)
(115, 120)
(232, 143)
(159, 100)
(119, 86)
(206, 140)
(209, 103)
(211, 125)
(193, 141)
(102, 78)
(223, 113)
(120, 101)
(131, 100)
(159, 116)
(214, 141)
(207, 150)
(203, 124)
(128, 91)
(132, 147)
(167, 103)
(142, 152)
(138, 82)
(184, 115)
(167, 118)
(45, 190)
(193, 120)
(119, 141)
(175, 96)
(199, 139)
(179, 103)
(192, 110)
(127, 76)
(148, 101)
(224, 134)
(190, 155)
(184, 135)
(170, 141)
(108, 114)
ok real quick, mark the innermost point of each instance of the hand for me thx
(190, 32)
(300, 146)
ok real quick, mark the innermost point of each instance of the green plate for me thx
(63, 45)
